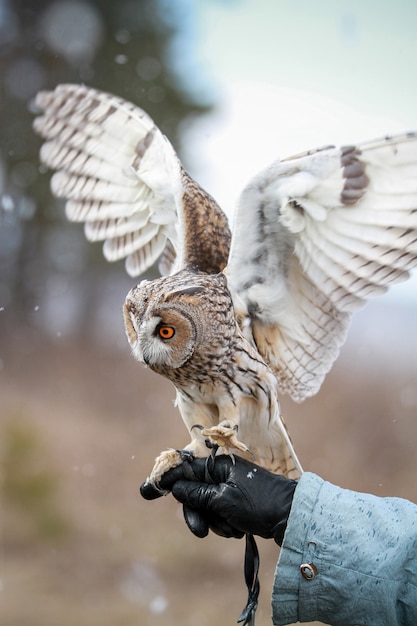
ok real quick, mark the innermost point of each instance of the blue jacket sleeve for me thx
(347, 558)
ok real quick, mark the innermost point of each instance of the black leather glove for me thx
(199, 522)
(237, 497)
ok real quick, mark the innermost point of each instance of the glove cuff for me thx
(279, 529)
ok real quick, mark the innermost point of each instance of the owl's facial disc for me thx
(162, 340)
(162, 330)
(131, 327)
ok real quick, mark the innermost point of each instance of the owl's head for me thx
(168, 319)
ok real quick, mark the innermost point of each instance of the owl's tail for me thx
(280, 458)
(292, 464)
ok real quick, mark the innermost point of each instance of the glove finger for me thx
(197, 495)
(195, 521)
(222, 469)
(222, 528)
(199, 523)
(150, 492)
(219, 469)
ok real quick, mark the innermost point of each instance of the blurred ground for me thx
(80, 427)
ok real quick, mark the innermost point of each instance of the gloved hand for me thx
(238, 497)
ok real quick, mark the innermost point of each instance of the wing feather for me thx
(61, 156)
(77, 187)
(93, 210)
(137, 262)
(100, 230)
(122, 177)
(370, 243)
(120, 247)
(315, 236)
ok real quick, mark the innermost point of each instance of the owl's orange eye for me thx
(166, 332)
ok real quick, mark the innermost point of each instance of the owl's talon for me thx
(164, 462)
(224, 435)
(186, 456)
(211, 445)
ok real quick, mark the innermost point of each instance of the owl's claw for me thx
(165, 461)
(186, 456)
(224, 435)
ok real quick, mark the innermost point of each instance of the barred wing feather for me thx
(324, 232)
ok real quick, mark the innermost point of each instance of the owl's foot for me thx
(224, 435)
(165, 461)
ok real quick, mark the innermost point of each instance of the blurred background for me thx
(234, 84)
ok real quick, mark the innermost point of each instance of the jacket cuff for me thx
(296, 588)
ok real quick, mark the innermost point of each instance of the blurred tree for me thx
(138, 49)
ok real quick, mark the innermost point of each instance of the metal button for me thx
(308, 571)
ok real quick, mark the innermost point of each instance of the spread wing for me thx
(121, 177)
(314, 237)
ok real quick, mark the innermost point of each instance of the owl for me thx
(235, 319)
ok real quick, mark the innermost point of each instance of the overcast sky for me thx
(289, 75)
(362, 53)
(294, 74)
